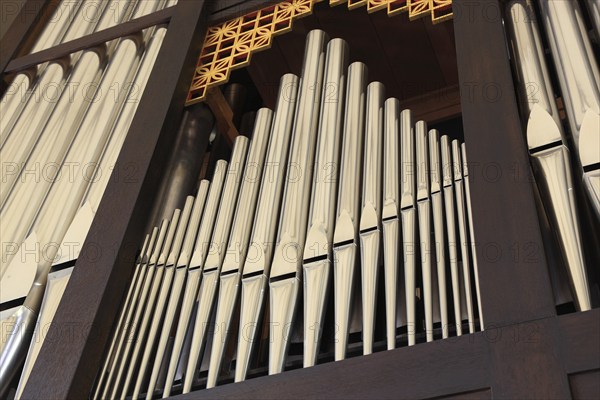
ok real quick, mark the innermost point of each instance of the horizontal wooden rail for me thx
(91, 40)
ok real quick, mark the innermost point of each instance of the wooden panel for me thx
(585, 385)
(435, 106)
(441, 37)
(512, 267)
(526, 361)
(410, 55)
(580, 341)
(67, 366)
(223, 10)
(266, 75)
(457, 365)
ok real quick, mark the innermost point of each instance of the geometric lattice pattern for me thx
(230, 45)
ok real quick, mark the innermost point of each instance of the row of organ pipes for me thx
(62, 128)
(331, 196)
(339, 226)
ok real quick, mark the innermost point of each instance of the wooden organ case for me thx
(456, 74)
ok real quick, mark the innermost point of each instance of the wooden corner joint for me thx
(223, 114)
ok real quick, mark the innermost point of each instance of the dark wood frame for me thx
(527, 351)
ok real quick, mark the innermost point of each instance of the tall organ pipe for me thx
(576, 67)
(287, 260)
(345, 235)
(256, 267)
(317, 257)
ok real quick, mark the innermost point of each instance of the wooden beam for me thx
(510, 251)
(442, 41)
(443, 367)
(436, 106)
(223, 114)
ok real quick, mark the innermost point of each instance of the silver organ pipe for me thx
(191, 266)
(391, 215)
(88, 15)
(462, 230)
(424, 216)
(215, 255)
(155, 313)
(91, 15)
(450, 212)
(338, 195)
(575, 64)
(26, 132)
(13, 102)
(345, 236)
(284, 282)
(256, 267)
(319, 236)
(579, 84)
(28, 193)
(437, 208)
(64, 195)
(579, 78)
(467, 196)
(82, 221)
(130, 299)
(179, 280)
(407, 207)
(534, 84)
(114, 13)
(551, 162)
(147, 7)
(237, 247)
(122, 373)
(370, 216)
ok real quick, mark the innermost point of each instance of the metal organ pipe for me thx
(287, 260)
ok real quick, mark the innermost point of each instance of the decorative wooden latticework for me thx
(230, 45)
